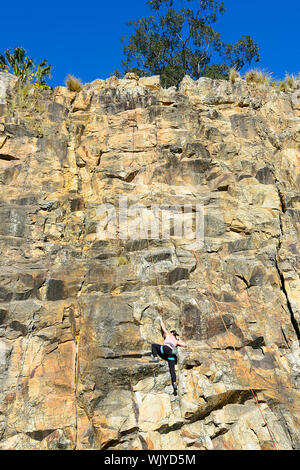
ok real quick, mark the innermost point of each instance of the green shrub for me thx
(122, 260)
(25, 103)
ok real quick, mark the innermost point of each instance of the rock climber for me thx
(168, 351)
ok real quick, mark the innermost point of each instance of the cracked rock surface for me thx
(78, 314)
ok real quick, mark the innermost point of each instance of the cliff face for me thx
(78, 314)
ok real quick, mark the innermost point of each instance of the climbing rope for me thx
(216, 305)
(154, 376)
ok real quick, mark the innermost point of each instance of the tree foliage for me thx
(23, 67)
(174, 42)
(43, 72)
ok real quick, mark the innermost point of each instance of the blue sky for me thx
(83, 38)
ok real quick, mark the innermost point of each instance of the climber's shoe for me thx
(154, 359)
(175, 388)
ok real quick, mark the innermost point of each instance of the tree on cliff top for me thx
(181, 41)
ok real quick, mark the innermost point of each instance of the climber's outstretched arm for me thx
(182, 344)
(162, 325)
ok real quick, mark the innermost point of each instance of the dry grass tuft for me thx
(258, 77)
(73, 83)
(233, 75)
(290, 81)
(288, 84)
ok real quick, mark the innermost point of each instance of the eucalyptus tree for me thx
(179, 39)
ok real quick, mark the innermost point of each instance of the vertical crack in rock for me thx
(280, 274)
(76, 380)
(288, 303)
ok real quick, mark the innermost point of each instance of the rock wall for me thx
(78, 314)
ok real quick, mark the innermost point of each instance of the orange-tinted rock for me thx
(78, 314)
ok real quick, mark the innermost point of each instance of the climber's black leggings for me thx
(167, 356)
